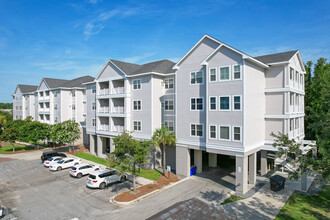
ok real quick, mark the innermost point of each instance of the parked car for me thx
(52, 160)
(49, 154)
(64, 163)
(1, 211)
(82, 169)
(101, 178)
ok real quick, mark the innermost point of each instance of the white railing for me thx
(104, 109)
(118, 109)
(46, 110)
(118, 90)
(104, 91)
(104, 127)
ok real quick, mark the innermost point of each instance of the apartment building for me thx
(129, 97)
(24, 101)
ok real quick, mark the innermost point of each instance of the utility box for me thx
(277, 183)
(193, 171)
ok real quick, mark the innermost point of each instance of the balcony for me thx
(118, 110)
(118, 129)
(104, 91)
(103, 127)
(104, 109)
(119, 90)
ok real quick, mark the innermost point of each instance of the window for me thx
(73, 119)
(224, 133)
(55, 119)
(297, 76)
(296, 125)
(55, 106)
(93, 89)
(169, 83)
(237, 72)
(196, 77)
(224, 103)
(291, 124)
(73, 93)
(196, 130)
(136, 105)
(196, 104)
(237, 133)
(93, 105)
(291, 73)
(213, 75)
(213, 131)
(169, 125)
(169, 105)
(93, 122)
(136, 84)
(237, 103)
(137, 125)
(213, 103)
(224, 73)
(56, 92)
(73, 106)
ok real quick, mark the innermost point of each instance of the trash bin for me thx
(277, 183)
(193, 171)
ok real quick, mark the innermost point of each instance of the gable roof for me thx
(277, 57)
(54, 83)
(27, 88)
(78, 82)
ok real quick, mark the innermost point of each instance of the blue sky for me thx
(68, 39)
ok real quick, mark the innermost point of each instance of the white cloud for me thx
(135, 59)
(92, 29)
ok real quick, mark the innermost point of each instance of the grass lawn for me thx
(307, 207)
(148, 174)
(9, 148)
(231, 199)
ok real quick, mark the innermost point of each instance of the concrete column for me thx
(263, 161)
(99, 146)
(304, 182)
(182, 161)
(212, 160)
(253, 169)
(91, 144)
(198, 160)
(112, 146)
(241, 174)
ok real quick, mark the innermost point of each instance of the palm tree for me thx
(163, 137)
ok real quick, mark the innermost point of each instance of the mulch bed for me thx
(143, 190)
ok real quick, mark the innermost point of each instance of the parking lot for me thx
(31, 191)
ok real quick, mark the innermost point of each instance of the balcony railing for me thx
(118, 129)
(104, 127)
(103, 110)
(118, 109)
(118, 90)
(104, 91)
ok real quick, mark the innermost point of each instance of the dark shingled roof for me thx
(277, 57)
(27, 88)
(161, 66)
(56, 83)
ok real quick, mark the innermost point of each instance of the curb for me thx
(113, 201)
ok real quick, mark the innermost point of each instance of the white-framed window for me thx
(237, 106)
(137, 105)
(297, 76)
(93, 122)
(169, 83)
(137, 125)
(73, 106)
(55, 119)
(291, 73)
(224, 132)
(169, 125)
(196, 130)
(196, 78)
(169, 105)
(213, 132)
(196, 104)
(224, 103)
(237, 72)
(93, 89)
(224, 73)
(55, 106)
(73, 93)
(136, 84)
(213, 74)
(213, 103)
(93, 105)
(237, 133)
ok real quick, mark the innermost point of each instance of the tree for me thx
(11, 135)
(163, 137)
(68, 132)
(128, 153)
(36, 131)
(53, 133)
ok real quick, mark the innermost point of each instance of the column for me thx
(182, 161)
(112, 146)
(198, 160)
(91, 144)
(241, 174)
(99, 146)
(263, 161)
(252, 169)
(212, 160)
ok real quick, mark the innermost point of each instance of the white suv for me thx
(101, 178)
(52, 160)
(64, 163)
(82, 169)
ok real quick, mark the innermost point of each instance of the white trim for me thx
(138, 84)
(202, 83)
(137, 100)
(285, 116)
(140, 125)
(228, 130)
(216, 132)
(229, 73)
(225, 110)
(233, 103)
(196, 104)
(278, 63)
(151, 73)
(205, 61)
(233, 72)
(196, 136)
(152, 106)
(285, 89)
(216, 103)
(216, 74)
(233, 133)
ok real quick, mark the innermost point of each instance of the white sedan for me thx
(82, 169)
(64, 163)
(52, 160)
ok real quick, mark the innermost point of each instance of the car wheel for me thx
(79, 175)
(59, 168)
(122, 179)
(76, 164)
(97, 168)
(102, 185)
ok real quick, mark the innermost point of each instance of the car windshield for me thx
(61, 161)
(73, 168)
(92, 176)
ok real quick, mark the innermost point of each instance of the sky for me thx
(68, 39)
